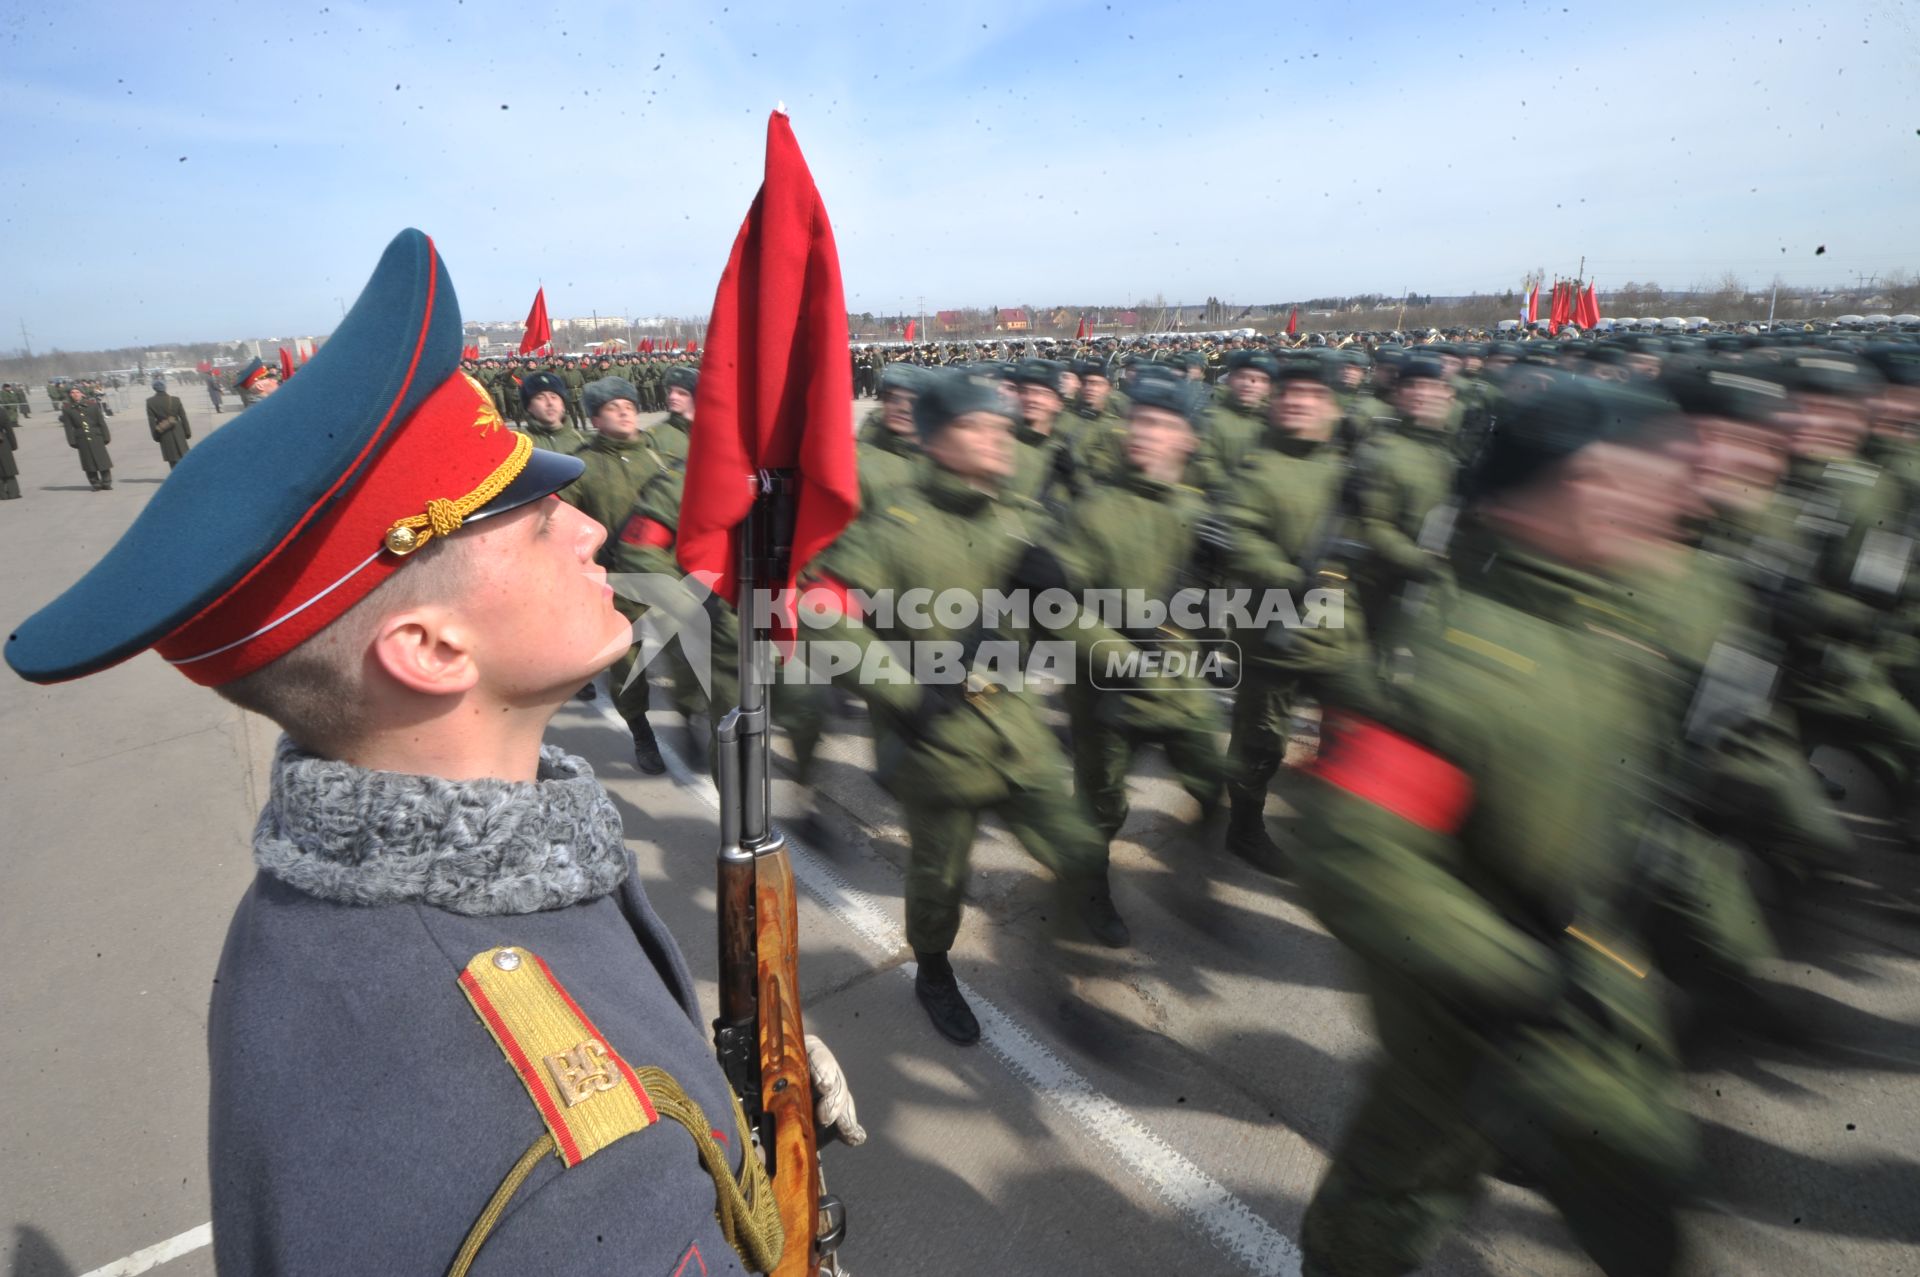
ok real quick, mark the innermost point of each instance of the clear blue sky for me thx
(970, 154)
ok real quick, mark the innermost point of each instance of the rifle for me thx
(759, 1037)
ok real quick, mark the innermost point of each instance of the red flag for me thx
(777, 388)
(1293, 323)
(1588, 313)
(1080, 333)
(286, 364)
(1533, 306)
(910, 324)
(204, 366)
(1562, 310)
(539, 331)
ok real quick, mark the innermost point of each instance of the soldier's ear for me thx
(427, 650)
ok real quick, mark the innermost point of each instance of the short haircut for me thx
(318, 692)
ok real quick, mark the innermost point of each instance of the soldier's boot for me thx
(106, 480)
(1247, 836)
(939, 993)
(1093, 902)
(646, 750)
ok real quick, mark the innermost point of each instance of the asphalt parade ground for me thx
(1163, 1109)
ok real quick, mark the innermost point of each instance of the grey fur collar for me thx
(481, 847)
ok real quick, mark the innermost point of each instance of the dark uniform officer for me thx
(167, 423)
(88, 435)
(448, 1032)
(255, 382)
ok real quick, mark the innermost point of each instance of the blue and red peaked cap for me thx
(254, 371)
(296, 509)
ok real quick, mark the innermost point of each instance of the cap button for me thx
(507, 960)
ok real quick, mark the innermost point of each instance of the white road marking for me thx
(1176, 1180)
(154, 1256)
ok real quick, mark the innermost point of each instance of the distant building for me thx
(1014, 320)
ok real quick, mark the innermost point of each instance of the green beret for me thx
(1170, 394)
(1257, 360)
(1717, 388)
(1828, 372)
(948, 395)
(1899, 363)
(1322, 367)
(598, 394)
(1038, 372)
(1423, 365)
(907, 377)
(1544, 425)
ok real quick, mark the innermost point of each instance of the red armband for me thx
(641, 530)
(1392, 772)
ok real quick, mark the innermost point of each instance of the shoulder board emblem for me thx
(905, 516)
(587, 1096)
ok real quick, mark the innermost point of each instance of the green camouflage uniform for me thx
(1471, 848)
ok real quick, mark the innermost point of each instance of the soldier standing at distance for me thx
(87, 434)
(167, 423)
(9, 443)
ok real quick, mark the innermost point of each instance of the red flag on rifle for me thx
(539, 331)
(286, 363)
(776, 391)
(910, 324)
(1293, 323)
(1080, 333)
(1533, 306)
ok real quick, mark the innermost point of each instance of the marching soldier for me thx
(1856, 552)
(1282, 509)
(619, 461)
(1239, 413)
(543, 400)
(1138, 533)
(1468, 838)
(167, 423)
(1404, 486)
(951, 749)
(87, 434)
(672, 437)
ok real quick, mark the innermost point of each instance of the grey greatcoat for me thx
(87, 434)
(167, 422)
(361, 1114)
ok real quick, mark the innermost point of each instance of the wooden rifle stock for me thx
(760, 1037)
